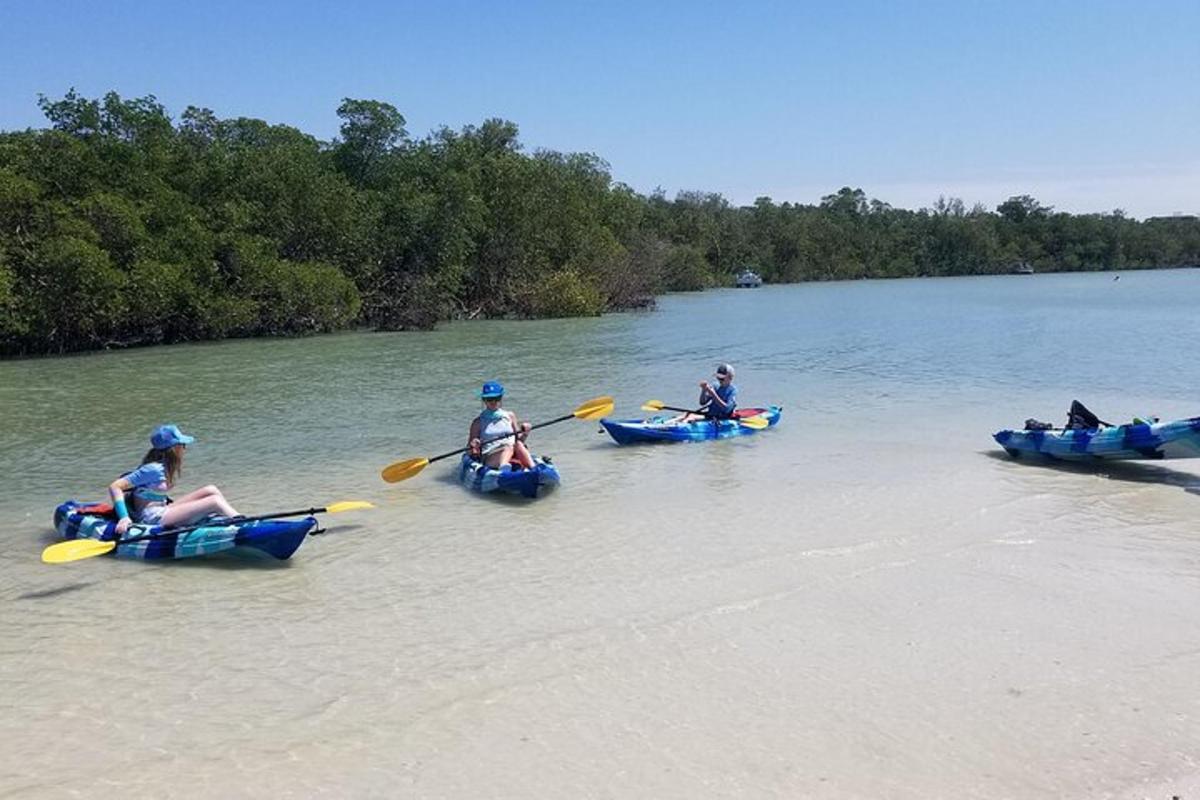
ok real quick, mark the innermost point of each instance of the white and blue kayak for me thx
(664, 429)
(277, 537)
(1136, 440)
(513, 478)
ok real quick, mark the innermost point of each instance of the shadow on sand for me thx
(1128, 471)
(45, 593)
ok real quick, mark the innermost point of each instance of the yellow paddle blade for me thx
(75, 550)
(595, 408)
(403, 470)
(348, 505)
(757, 423)
(653, 405)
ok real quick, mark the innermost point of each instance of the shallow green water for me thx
(757, 617)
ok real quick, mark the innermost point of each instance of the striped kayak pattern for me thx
(525, 482)
(1177, 439)
(660, 429)
(277, 537)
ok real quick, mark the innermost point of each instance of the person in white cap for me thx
(716, 402)
(148, 486)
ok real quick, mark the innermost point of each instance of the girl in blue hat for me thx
(496, 437)
(148, 485)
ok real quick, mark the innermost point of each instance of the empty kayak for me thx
(277, 537)
(662, 429)
(1141, 440)
(525, 482)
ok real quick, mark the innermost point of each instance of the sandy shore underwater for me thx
(870, 600)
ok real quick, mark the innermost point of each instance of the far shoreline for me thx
(647, 309)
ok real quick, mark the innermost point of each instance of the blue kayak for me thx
(1140, 440)
(277, 537)
(662, 429)
(526, 482)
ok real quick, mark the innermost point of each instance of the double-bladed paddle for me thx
(595, 408)
(757, 423)
(77, 549)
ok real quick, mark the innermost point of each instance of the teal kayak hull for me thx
(276, 537)
(1136, 441)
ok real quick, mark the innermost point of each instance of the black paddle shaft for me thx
(708, 414)
(563, 418)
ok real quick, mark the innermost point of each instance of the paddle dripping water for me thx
(868, 599)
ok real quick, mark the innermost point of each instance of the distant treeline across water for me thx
(120, 226)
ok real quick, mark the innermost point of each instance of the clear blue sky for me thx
(1087, 106)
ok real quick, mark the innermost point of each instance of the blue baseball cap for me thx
(166, 436)
(491, 389)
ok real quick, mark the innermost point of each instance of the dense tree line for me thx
(120, 226)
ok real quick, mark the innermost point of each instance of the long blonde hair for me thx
(171, 460)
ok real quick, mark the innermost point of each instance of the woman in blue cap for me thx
(496, 437)
(148, 486)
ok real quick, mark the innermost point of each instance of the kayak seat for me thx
(98, 510)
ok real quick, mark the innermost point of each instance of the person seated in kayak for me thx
(487, 440)
(148, 485)
(718, 401)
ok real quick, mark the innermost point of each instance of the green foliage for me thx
(120, 227)
(412, 302)
(686, 270)
(12, 323)
(370, 131)
(19, 199)
(566, 294)
(1022, 208)
(73, 296)
(301, 297)
(117, 223)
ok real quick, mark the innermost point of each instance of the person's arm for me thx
(116, 492)
(716, 398)
(522, 428)
(473, 438)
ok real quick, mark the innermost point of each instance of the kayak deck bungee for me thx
(526, 482)
(276, 537)
(1141, 440)
(662, 429)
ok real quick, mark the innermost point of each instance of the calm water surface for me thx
(863, 602)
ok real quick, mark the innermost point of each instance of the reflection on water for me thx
(854, 603)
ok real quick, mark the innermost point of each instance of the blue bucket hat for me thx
(166, 436)
(491, 389)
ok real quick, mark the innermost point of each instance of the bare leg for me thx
(499, 457)
(521, 453)
(186, 512)
(199, 494)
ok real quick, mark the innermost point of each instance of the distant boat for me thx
(748, 279)
(1023, 268)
